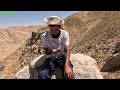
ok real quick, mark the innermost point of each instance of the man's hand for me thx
(48, 51)
(69, 72)
(55, 50)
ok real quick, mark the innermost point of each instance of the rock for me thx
(84, 67)
(37, 62)
(117, 50)
(23, 73)
(113, 62)
(1, 67)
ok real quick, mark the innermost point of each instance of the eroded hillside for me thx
(12, 38)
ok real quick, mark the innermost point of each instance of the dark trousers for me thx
(50, 65)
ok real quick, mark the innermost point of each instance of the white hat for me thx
(53, 20)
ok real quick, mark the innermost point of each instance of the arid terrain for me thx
(12, 38)
(93, 33)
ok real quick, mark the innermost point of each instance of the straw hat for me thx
(53, 20)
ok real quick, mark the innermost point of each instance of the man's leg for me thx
(61, 64)
(45, 70)
(48, 68)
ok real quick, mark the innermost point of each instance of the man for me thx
(55, 43)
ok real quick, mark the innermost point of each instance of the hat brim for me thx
(52, 22)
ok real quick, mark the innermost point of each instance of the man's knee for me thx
(44, 74)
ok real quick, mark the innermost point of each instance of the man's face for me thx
(54, 29)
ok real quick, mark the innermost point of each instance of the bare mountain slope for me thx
(22, 56)
(100, 41)
(12, 38)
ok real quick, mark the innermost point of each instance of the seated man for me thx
(55, 42)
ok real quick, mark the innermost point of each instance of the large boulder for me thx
(112, 63)
(84, 67)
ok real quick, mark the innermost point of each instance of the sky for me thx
(12, 18)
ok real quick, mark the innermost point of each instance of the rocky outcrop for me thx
(84, 67)
(112, 63)
(31, 49)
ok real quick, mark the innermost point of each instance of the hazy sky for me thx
(8, 18)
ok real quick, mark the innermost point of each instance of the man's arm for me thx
(67, 51)
(68, 69)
